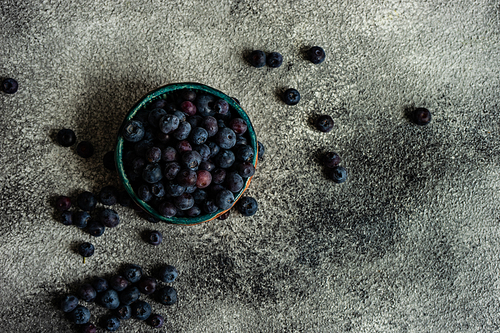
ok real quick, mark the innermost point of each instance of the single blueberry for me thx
(86, 249)
(291, 96)
(234, 182)
(171, 170)
(100, 284)
(154, 117)
(183, 146)
(225, 138)
(144, 193)
(221, 107)
(224, 199)
(133, 273)
(191, 159)
(316, 54)
(67, 218)
(331, 159)
(141, 310)
(69, 303)
(195, 121)
(129, 295)
(133, 131)
(118, 282)
(156, 321)
(86, 201)
(109, 161)
(174, 190)
(123, 312)
(209, 207)
(108, 195)
(85, 149)
(66, 137)
(147, 285)
(274, 59)
(168, 274)
(198, 135)
(158, 190)
(218, 176)
(203, 178)
(81, 219)
(224, 159)
(167, 295)
(184, 201)
(109, 299)
(154, 237)
(188, 107)
(257, 58)
(109, 218)
(169, 123)
(80, 315)
(9, 86)
(214, 148)
(245, 169)
(207, 165)
(95, 228)
(193, 211)
(224, 216)
(241, 140)
(87, 292)
(244, 153)
(421, 116)
(324, 123)
(238, 125)
(203, 150)
(190, 189)
(210, 124)
(158, 104)
(338, 174)
(182, 132)
(152, 173)
(169, 154)
(153, 155)
(167, 209)
(111, 323)
(205, 105)
(186, 177)
(247, 206)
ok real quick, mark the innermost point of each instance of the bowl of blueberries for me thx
(186, 152)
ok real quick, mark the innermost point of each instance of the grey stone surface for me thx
(408, 244)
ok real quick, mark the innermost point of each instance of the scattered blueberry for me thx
(85, 149)
(66, 137)
(331, 159)
(247, 206)
(129, 295)
(316, 54)
(108, 195)
(324, 123)
(274, 59)
(291, 96)
(111, 323)
(81, 219)
(123, 312)
(9, 86)
(69, 303)
(147, 285)
(244, 153)
(154, 237)
(257, 58)
(141, 310)
(168, 274)
(80, 315)
(156, 321)
(67, 218)
(118, 282)
(86, 201)
(86, 249)
(225, 216)
(133, 273)
(109, 299)
(100, 284)
(109, 218)
(338, 174)
(421, 116)
(95, 228)
(261, 150)
(167, 296)
(87, 292)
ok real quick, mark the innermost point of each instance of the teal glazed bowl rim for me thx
(164, 92)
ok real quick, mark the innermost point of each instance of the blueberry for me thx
(156, 321)
(111, 323)
(186, 177)
(152, 173)
(203, 150)
(144, 193)
(87, 292)
(245, 169)
(9, 86)
(244, 153)
(181, 115)
(153, 155)
(261, 150)
(80, 315)
(86, 201)
(182, 132)
(167, 296)
(195, 121)
(109, 161)
(209, 207)
(421, 116)
(89, 328)
(129, 295)
(190, 189)
(191, 159)
(198, 135)
(274, 59)
(95, 228)
(154, 237)
(100, 284)
(123, 312)
(234, 182)
(331, 159)
(108, 195)
(324, 123)
(109, 218)
(224, 216)
(188, 107)
(247, 206)
(221, 107)
(205, 105)
(167, 209)
(224, 159)
(109, 299)
(67, 218)
(183, 146)
(133, 131)
(218, 176)
(199, 196)
(193, 211)
(221, 123)
(316, 54)
(66, 137)
(184, 201)
(118, 282)
(338, 174)
(86, 249)
(147, 285)
(124, 199)
(203, 178)
(174, 190)
(224, 199)
(257, 58)
(210, 125)
(171, 170)
(141, 310)
(214, 148)
(216, 188)
(169, 123)
(169, 154)
(69, 303)
(168, 274)
(154, 117)
(207, 165)
(291, 96)
(225, 138)
(158, 190)
(63, 203)
(238, 125)
(133, 273)
(81, 219)
(85, 149)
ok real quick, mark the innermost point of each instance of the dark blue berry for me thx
(198, 135)
(291, 96)
(158, 104)
(147, 285)
(81, 219)
(174, 190)
(152, 173)
(167, 296)
(95, 228)
(261, 150)
(9, 86)
(182, 132)
(234, 182)
(141, 310)
(133, 273)
(167, 209)
(214, 148)
(169, 123)
(118, 282)
(85, 149)
(109, 218)
(225, 138)
(123, 312)
(247, 206)
(87, 292)
(338, 174)
(244, 153)
(86, 249)
(209, 207)
(190, 189)
(238, 125)
(210, 124)
(186, 177)
(245, 169)
(199, 196)
(205, 105)
(153, 155)
(221, 107)
(144, 193)
(184, 201)
(421, 116)
(257, 58)
(188, 107)
(193, 211)
(133, 131)
(331, 159)
(203, 150)
(207, 165)
(66, 137)
(100, 284)
(109, 299)
(168, 274)
(111, 323)
(169, 154)
(224, 199)
(324, 123)
(171, 170)
(154, 237)
(154, 117)
(129, 295)
(274, 59)
(224, 159)
(80, 315)
(241, 140)
(316, 54)
(109, 161)
(108, 195)
(158, 190)
(191, 159)
(181, 115)
(218, 176)
(86, 201)
(67, 218)
(69, 303)
(195, 121)
(156, 321)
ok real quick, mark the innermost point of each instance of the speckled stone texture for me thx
(409, 243)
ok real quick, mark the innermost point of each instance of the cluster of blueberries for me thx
(120, 294)
(188, 154)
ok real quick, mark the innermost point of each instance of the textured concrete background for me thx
(408, 244)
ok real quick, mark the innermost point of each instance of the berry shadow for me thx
(303, 52)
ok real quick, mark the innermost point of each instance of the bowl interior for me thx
(164, 92)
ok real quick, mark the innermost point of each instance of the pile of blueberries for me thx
(189, 153)
(121, 294)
